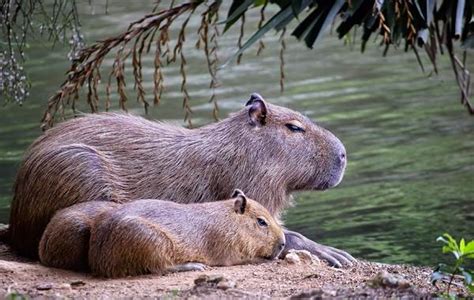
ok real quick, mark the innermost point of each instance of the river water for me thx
(410, 143)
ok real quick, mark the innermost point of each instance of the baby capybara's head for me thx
(291, 148)
(262, 236)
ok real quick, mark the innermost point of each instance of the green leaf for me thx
(235, 11)
(456, 254)
(471, 288)
(469, 247)
(297, 7)
(458, 19)
(462, 244)
(315, 24)
(274, 22)
(442, 239)
(357, 13)
(296, 11)
(469, 254)
(323, 22)
(451, 242)
(446, 249)
(305, 26)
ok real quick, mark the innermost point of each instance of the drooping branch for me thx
(210, 46)
(422, 24)
(86, 68)
(21, 19)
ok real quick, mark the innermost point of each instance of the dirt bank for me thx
(274, 279)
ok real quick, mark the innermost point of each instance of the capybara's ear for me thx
(237, 193)
(257, 110)
(240, 202)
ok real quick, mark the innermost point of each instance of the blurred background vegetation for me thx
(411, 169)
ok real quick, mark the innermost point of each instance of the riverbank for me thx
(280, 278)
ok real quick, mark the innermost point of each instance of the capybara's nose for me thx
(342, 158)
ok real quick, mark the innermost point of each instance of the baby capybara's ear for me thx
(241, 202)
(257, 110)
(237, 193)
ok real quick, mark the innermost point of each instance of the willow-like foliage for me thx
(432, 26)
(55, 20)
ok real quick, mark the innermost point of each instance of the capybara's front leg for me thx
(190, 266)
(335, 257)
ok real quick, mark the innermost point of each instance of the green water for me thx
(410, 144)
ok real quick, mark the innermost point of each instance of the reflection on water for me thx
(410, 143)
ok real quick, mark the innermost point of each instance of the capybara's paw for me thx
(190, 266)
(335, 257)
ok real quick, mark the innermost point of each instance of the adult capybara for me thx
(267, 150)
(156, 236)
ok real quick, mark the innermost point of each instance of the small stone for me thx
(64, 286)
(292, 258)
(215, 278)
(201, 279)
(77, 283)
(44, 286)
(214, 281)
(386, 279)
(300, 256)
(208, 279)
(226, 284)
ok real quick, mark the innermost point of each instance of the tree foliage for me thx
(431, 25)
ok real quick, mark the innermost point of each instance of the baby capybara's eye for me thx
(262, 222)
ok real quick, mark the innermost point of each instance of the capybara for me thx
(266, 150)
(65, 241)
(156, 236)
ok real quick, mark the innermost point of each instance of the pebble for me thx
(44, 286)
(386, 279)
(300, 256)
(217, 281)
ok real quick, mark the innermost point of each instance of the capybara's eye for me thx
(294, 128)
(262, 222)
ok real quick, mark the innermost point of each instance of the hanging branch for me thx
(421, 24)
(179, 49)
(261, 45)
(85, 69)
(282, 60)
(210, 17)
(241, 36)
(59, 21)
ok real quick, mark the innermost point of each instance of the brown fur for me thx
(65, 241)
(119, 157)
(152, 236)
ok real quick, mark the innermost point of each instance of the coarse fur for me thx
(155, 236)
(65, 241)
(120, 157)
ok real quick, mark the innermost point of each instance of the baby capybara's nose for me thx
(282, 246)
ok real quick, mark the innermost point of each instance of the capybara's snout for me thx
(338, 162)
(278, 247)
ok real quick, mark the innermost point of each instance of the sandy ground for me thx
(278, 278)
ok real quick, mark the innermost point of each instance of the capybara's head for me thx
(290, 147)
(262, 236)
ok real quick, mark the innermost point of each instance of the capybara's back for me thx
(266, 150)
